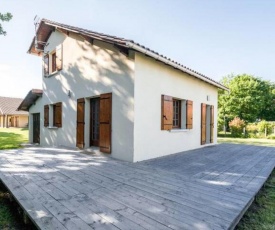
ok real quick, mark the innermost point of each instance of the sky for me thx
(213, 37)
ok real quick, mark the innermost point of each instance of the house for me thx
(106, 92)
(9, 116)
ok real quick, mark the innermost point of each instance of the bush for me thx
(236, 127)
(252, 128)
(272, 137)
(264, 125)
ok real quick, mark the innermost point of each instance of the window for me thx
(176, 113)
(46, 115)
(53, 62)
(57, 114)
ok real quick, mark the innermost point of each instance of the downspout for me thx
(168, 62)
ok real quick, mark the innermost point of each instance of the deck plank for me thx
(200, 189)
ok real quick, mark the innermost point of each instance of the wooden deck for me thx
(209, 188)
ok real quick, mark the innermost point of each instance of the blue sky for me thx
(214, 37)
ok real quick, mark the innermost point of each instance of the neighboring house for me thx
(9, 116)
(112, 93)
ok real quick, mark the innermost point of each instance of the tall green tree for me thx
(4, 18)
(250, 98)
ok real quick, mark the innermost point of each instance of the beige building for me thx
(114, 95)
(9, 116)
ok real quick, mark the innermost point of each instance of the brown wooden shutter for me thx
(203, 124)
(46, 65)
(189, 114)
(59, 57)
(105, 122)
(58, 114)
(166, 112)
(46, 115)
(80, 123)
(211, 123)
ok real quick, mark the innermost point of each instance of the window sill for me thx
(52, 127)
(52, 74)
(178, 130)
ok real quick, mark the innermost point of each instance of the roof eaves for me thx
(30, 98)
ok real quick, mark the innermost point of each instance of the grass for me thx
(11, 138)
(261, 214)
(10, 218)
(247, 141)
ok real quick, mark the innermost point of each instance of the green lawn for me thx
(261, 214)
(247, 141)
(11, 138)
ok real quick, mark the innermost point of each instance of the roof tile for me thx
(9, 105)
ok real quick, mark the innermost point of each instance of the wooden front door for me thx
(105, 122)
(80, 123)
(36, 128)
(203, 124)
(94, 121)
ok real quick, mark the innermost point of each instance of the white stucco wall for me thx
(152, 79)
(88, 71)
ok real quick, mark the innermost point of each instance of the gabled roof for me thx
(46, 27)
(9, 105)
(30, 99)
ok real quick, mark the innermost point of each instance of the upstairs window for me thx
(176, 113)
(57, 114)
(53, 61)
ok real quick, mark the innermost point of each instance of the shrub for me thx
(272, 137)
(251, 128)
(264, 125)
(236, 127)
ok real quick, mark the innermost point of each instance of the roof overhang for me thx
(30, 99)
(46, 27)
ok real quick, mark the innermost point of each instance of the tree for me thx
(4, 18)
(250, 98)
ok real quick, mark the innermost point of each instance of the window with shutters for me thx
(57, 114)
(52, 62)
(46, 115)
(176, 113)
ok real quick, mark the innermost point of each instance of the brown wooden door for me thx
(105, 122)
(211, 123)
(36, 128)
(80, 123)
(203, 124)
(94, 121)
